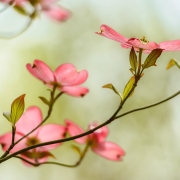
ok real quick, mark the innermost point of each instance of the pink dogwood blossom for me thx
(97, 141)
(14, 2)
(49, 7)
(53, 10)
(106, 31)
(28, 121)
(65, 77)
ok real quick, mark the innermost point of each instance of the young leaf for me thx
(38, 155)
(151, 59)
(110, 86)
(33, 2)
(128, 87)
(17, 109)
(45, 101)
(173, 62)
(20, 10)
(7, 115)
(45, 154)
(133, 60)
(76, 149)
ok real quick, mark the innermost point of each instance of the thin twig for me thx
(149, 106)
(45, 119)
(56, 163)
(86, 133)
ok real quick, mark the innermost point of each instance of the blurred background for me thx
(150, 137)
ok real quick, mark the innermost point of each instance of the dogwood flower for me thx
(97, 141)
(14, 2)
(65, 77)
(53, 10)
(28, 121)
(49, 7)
(106, 31)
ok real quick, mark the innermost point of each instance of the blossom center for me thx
(34, 2)
(32, 141)
(144, 40)
(58, 85)
(101, 31)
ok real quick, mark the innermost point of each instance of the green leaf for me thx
(152, 57)
(133, 60)
(38, 155)
(110, 86)
(33, 15)
(7, 115)
(45, 154)
(76, 149)
(20, 10)
(45, 101)
(17, 109)
(34, 2)
(173, 62)
(128, 87)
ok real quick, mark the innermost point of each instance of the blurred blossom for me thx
(97, 141)
(53, 10)
(49, 7)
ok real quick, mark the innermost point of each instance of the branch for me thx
(56, 163)
(47, 116)
(88, 132)
(149, 106)
(53, 100)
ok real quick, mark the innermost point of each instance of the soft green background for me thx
(150, 137)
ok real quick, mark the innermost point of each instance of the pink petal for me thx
(173, 45)
(66, 74)
(110, 33)
(45, 4)
(73, 129)
(6, 1)
(109, 150)
(6, 139)
(20, 2)
(57, 13)
(15, 2)
(51, 132)
(80, 78)
(29, 120)
(100, 134)
(41, 71)
(137, 43)
(76, 91)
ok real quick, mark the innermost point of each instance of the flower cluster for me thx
(29, 130)
(28, 121)
(33, 117)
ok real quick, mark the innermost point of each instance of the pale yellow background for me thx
(150, 137)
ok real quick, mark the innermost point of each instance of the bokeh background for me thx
(150, 137)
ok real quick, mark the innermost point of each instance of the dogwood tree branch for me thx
(56, 163)
(88, 132)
